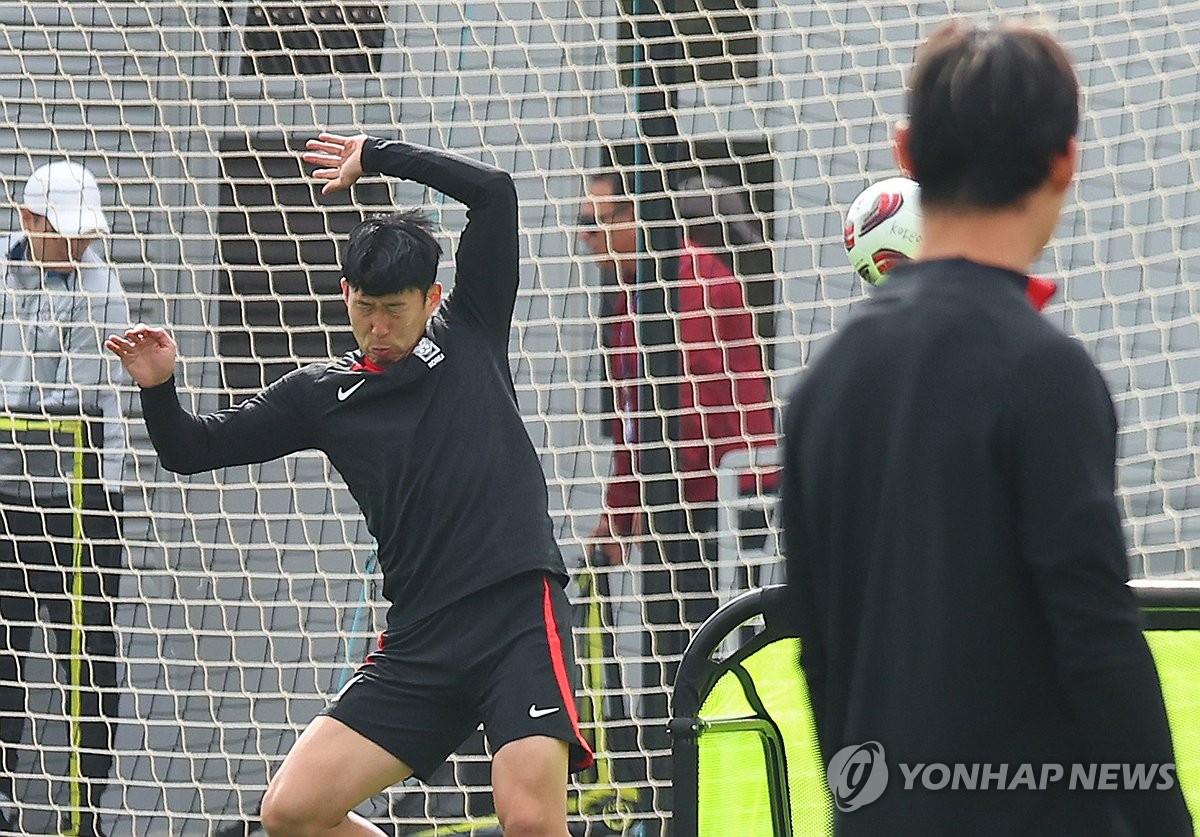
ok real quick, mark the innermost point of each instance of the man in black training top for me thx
(421, 422)
(955, 551)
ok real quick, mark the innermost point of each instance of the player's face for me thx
(607, 229)
(47, 247)
(387, 327)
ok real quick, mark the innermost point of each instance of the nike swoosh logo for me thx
(535, 712)
(343, 394)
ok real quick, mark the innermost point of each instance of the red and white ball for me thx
(883, 227)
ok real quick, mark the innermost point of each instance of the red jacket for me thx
(723, 398)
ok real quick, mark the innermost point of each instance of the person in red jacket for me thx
(724, 399)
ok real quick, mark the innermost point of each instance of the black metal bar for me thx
(654, 74)
(654, 80)
(685, 763)
(1161, 593)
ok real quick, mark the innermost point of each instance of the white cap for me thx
(67, 195)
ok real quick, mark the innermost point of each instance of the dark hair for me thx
(714, 216)
(387, 254)
(717, 216)
(617, 188)
(988, 109)
(615, 181)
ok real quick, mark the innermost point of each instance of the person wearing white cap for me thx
(58, 297)
(67, 197)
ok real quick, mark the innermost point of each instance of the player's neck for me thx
(999, 239)
(1011, 237)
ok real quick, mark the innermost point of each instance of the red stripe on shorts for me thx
(560, 674)
(378, 647)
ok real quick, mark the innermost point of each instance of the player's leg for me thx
(17, 612)
(26, 557)
(329, 771)
(88, 680)
(87, 683)
(528, 703)
(529, 784)
(400, 714)
(100, 695)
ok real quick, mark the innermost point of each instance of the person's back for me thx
(908, 482)
(955, 551)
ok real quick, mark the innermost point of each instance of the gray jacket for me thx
(53, 363)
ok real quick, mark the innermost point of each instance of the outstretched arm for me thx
(148, 354)
(487, 262)
(266, 427)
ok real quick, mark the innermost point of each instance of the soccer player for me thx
(421, 421)
(955, 552)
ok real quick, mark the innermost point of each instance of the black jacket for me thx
(957, 561)
(432, 447)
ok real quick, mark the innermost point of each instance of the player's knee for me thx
(273, 813)
(532, 820)
(277, 821)
(286, 815)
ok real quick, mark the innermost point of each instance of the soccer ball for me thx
(883, 227)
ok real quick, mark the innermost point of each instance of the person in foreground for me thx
(954, 549)
(421, 421)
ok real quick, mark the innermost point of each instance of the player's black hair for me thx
(387, 254)
(989, 109)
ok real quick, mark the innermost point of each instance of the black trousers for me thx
(38, 556)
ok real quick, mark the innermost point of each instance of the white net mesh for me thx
(250, 593)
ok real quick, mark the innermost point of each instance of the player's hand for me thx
(338, 159)
(615, 548)
(148, 353)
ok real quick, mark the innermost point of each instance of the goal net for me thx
(251, 593)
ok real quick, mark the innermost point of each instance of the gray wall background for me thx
(242, 604)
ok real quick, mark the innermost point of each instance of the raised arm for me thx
(487, 262)
(266, 427)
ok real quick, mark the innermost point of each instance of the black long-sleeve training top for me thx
(432, 447)
(957, 562)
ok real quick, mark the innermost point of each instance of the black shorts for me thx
(502, 656)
